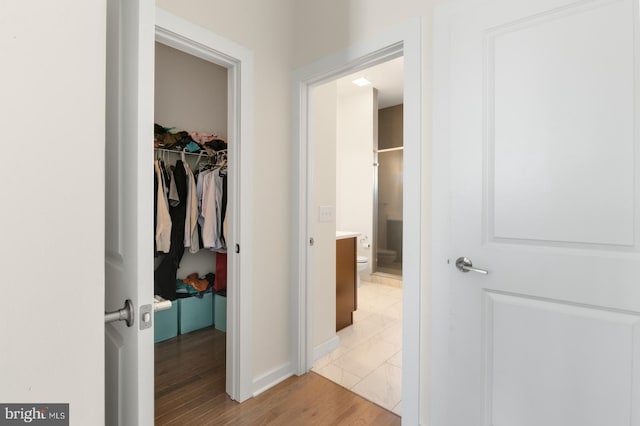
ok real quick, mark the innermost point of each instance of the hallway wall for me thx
(52, 252)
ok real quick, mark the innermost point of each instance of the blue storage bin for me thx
(195, 313)
(220, 312)
(165, 324)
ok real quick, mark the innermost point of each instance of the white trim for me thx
(326, 348)
(404, 40)
(183, 35)
(272, 378)
(441, 400)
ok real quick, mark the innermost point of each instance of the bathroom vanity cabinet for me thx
(346, 281)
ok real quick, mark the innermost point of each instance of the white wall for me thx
(52, 182)
(342, 132)
(357, 130)
(322, 131)
(265, 28)
(190, 93)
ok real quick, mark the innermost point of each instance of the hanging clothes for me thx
(163, 218)
(223, 173)
(191, 234)
(165, 274)
(190, 215)
(210, 190)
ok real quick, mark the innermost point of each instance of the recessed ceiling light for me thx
(361, 81)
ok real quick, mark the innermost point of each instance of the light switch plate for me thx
(326, 214)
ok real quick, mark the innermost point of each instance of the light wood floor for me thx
(190, 382)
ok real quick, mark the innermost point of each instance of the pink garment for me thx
(202, 138)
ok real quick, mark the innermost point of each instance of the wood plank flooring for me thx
(190, 390)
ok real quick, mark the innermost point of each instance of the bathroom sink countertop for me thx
(346, 234)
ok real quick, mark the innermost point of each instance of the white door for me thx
(537, 181)
(129, 210)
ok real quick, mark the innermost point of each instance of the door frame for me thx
(403, 40)
(187, 37)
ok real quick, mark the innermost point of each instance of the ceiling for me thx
(386, 77)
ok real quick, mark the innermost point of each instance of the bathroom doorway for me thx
(366, 356)
(388, 189)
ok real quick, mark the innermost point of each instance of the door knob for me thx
(464, 265)
(127, 314)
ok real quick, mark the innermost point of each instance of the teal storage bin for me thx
(195, 313)
(165, 324)
(220, 312)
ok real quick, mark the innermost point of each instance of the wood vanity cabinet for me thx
(346, 282)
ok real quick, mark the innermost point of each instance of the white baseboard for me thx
(283, 372)
(326, 347)
(272, 378)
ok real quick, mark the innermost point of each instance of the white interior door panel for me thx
(539, 125)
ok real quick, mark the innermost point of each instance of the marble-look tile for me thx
(366, 357)
(383, 321)
(383, 386)
(358, 332)
(340, 376)
(381, 302)
(393, 334)
(396, 359)
(369, 358)
(329, 358)
(394, 311)
(360, 314)
(398, 409)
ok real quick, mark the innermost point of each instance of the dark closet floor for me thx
(190, 390)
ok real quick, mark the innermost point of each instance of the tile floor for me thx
(369, 358)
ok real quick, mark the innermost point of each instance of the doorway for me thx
(388, 190)
(190, 142)
(344, 129)
(400, 41)
(129, 200)
(187, 38)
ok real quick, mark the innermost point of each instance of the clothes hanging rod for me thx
(199, 153)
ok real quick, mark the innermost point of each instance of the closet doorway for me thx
(190, 141)
(202, 84)
(129, 356)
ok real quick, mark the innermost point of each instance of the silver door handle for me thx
(465, 265)
(161, 304)
(127, 313)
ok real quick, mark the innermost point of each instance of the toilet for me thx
(386, 256)
(362, 265)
